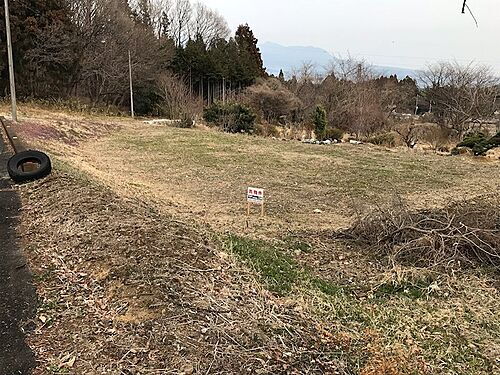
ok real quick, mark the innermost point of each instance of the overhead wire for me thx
(465, 5)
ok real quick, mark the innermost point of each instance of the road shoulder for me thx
(17, 293)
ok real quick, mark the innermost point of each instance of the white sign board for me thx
(255, 195)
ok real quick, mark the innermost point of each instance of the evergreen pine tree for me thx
(320, 122)
(36, 24)
(249, 54)
(281, 76)
(165, 25)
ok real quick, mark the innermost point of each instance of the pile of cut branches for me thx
(463, 234)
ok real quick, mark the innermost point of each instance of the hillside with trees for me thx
(79, 49)
(185, 59)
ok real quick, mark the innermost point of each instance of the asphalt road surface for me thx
(17, 293)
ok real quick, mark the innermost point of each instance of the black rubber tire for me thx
(40, 158)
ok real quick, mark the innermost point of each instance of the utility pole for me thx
(131, 84)
(208, 93)
(223, 90)
(11, 63)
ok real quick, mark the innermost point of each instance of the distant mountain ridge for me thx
(288, 58)
(278, 57)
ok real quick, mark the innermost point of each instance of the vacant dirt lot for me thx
(145, 261)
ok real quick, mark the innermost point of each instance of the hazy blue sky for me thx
(407, 33)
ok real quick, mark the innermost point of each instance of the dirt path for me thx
(17, 293)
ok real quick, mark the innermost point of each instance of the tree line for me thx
(185, 59)
(80, 48)
(443, 105)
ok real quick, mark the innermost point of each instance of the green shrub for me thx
(473, 139)
(384, 139)
(320, 122)
(146, 99)
(494, 141)
(480, 143)
(213, 113)
(334, 134)
(232, 117)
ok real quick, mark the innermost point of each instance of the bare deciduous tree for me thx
(106, 32)
(351, 69)
(157, 13)
(185, 20)
(181, 14)
(177, 99)
(307, 72)
(156, 10)
(272, 101)
(408, 133)
(461, 95)
(208, 24)
(351, 98)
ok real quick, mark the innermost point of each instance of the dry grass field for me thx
(146, 262)
(205, 173)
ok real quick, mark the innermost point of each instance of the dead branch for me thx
(463, 233)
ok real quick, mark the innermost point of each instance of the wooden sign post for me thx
(255, 196)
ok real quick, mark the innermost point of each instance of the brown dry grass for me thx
(126, 289)
(204, 174)
(120, 246)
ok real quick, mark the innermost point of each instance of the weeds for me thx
(405, 289)
(279, 271)
(408, 325)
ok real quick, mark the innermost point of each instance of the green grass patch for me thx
(410, 290)
(326, 287)
(279, 271)
(294, 244)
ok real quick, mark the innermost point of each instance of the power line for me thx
(470, 11)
